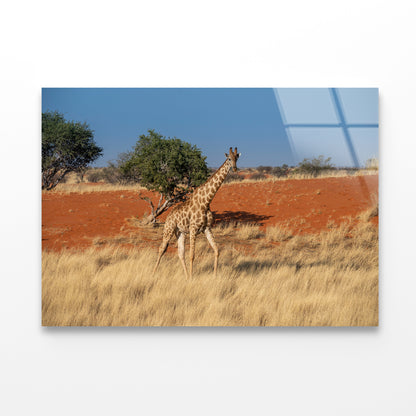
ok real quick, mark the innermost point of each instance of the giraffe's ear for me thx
(239, 155)
(226, 155)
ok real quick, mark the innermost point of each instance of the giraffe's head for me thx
(233, 157)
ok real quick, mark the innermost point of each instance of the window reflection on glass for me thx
(340, 123)
(307, 106)
(360, 105)
(314, 141)
(365, 142)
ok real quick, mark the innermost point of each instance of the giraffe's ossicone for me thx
(194, 216)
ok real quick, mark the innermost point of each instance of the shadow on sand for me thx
(245, 217)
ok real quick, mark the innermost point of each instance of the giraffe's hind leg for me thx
(210, 238)
(181, 252)
(210, 218)
(192, 236)
(167, 235)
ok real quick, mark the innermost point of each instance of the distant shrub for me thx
(80, 175)
(258, 176)
(314, 166)
(280, 171)
(114, 175)
(94, 176)
(349, 171)
(233, 177)
(264, 169)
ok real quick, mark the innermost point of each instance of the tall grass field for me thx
(272, 278)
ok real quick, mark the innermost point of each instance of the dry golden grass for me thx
(83, 188)
(278, 233)
(325, 174)
(326, 279)
(73, 184)
(372, 211)
(248, 232)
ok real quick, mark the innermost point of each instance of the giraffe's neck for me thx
(206, 192)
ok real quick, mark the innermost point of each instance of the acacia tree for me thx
(67, 146)
(169, 166)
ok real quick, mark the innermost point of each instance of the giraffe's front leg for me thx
(192, 236)
(181, 252)
(210, 238)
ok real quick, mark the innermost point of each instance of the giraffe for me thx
(194, 216)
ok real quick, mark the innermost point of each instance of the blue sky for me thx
(269, 126)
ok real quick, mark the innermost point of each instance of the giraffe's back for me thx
(189, 214)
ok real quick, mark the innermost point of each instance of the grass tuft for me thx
(278, 233)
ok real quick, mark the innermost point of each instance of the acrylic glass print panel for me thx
(210, 207)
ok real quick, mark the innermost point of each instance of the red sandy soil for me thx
(74, 220)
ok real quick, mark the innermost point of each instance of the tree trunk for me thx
(156, 211)
(161, 206)
(51, 179)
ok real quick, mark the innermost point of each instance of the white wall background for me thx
(205, 371)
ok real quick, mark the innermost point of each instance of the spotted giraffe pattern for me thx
(194, 215)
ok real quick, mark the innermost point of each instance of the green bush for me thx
(95, 175)
(169, 166)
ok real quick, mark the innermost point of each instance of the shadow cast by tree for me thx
(244, 217)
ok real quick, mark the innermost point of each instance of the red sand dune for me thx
(73, 220)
